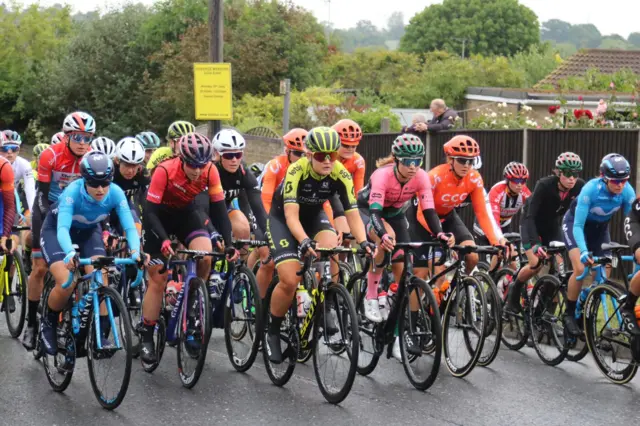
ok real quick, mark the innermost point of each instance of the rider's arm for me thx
(376, 203)
(217, 206)
(583, 202)
(350, 206)
(495, 199)
(533, 209)
(252, 190)
(483, 212)
(154, 200)
(8, 199)
(358, 175)
(65, 217)
(29, 184)
(424, 193)
(45, 163)
(336, 206)
(126, 218)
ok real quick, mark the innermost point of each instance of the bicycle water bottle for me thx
(581, 299)
(215, 285)
(75, 319)
(383, 305)
(303, 301)
(171, 294)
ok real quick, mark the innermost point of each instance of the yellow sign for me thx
(212, 91)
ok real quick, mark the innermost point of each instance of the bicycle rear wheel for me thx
(18, 291)
(242, 320)
(194, 335)
(110, 365)
(423, 327)
(160, 337)
(465, 319)
(606, 338)
(493, 332)
(546, 307)
(335, 356)
(59, 368)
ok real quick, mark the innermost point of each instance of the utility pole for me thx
(464, 43)
(216, 44)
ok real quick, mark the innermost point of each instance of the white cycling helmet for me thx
(228, 140)
(57, 138)
(79, 122)
(105, 146)
(130, 150)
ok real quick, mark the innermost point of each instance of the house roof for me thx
(607, 61)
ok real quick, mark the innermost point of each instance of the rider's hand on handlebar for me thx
(539, 251)
(71, 260)
(447, 238)
(232, 254)
(387, 242)
(166, 248)
(586, 258)
(307, 247)
(370, 248)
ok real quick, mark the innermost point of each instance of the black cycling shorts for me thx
(36, 228)
(595, 234)
(89, 241)
(185, 224)
(552, 232)
(283, 245)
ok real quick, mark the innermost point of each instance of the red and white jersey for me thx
(503, 205)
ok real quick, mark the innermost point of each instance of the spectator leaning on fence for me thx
(443, 117)
(418, 125)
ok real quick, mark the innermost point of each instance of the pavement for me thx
(516, 389)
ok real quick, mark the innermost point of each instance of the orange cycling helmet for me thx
(349, 131)
(462, 146)
(295, 139)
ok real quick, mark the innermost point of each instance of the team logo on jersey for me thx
(284, 243)
(69, 200)
(325, 184)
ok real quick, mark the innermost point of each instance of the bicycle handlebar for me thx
(102, 262)
(600, 261)
(325, 253)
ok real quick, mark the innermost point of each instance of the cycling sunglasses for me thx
(96, 184)
(232, 155)
(521, 181)
(10, 148)
(324, 156)
(570, 174)
(80, 138)
(409, 162)
(464, 161)
(618, 181)
(296, 153)
(194, 165)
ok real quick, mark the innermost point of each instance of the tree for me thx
(488, 27)
(555, 30)
(614, 41)
(395, 26)
(364, 34)
(536, 63)
(585, 36)
(634, 40)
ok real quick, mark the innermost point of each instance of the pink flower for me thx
(635, 115)
(612, 86)
(601, 110)
(580, 98)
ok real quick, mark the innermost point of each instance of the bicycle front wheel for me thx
(194, 335)
(335, 349)
(546, 307)
(493, 332)
(463, 328)
(17, 285)
(109, 358)
(515, 332)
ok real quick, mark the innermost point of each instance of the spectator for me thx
(443, 117)
(418, 125)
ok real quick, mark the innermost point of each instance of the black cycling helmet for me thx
(615, 166)
(96, 169)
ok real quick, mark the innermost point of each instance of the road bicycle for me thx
(13, 288)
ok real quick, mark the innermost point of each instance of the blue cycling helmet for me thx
(149, 140)
(96, 168)
(615, 166)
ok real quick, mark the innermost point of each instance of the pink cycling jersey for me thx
(386, 193)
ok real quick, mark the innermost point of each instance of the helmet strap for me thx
(396, 170)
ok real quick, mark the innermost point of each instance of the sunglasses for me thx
(10, 148)
(95, 184)
(464, 161)
(296, 153)
(195, 166)
(321, 157)
(410, 162)
(618, 181)
(80, 138)
(518, 181)
(232, 155)
(570, 174)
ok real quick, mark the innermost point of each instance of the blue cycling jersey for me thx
(77, 209)
(597, 204)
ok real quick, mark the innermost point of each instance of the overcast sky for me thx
(610, 16)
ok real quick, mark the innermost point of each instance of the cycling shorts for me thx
(632, 227)
(185, 225)
(89, 241)
(451, 224)
(595, 234)
(36, 227)
(283, 245)
(552, 232)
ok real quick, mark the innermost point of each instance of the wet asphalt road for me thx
(516, 389)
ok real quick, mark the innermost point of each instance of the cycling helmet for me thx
(130, 150)
(295, 139)
(228, 140)
(13, 137)
(38, 149)
(96, 168)
(149, 140)
(615, 166)
(322, 139)
(57, 138)
(515, 170)
(105, 146)
(349, 131)
(462, 146)
(256, 169)
(569, 161)
(195, 149)
(407, 146)
(79, 122)
(177, 129)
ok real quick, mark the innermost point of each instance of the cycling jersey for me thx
(171, 193)
(158, 156)
(449, 192)
(504, 205)
(242, 181)
(22, 172)
(272, 175)
(308, 189)
(596, 203)
(632, 226)
(544, 210)
(59, 167)
(356, 166)
(7, 201)
(78, 210)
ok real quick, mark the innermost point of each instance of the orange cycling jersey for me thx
(274, 173)
(449, 192)
(355, 165)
